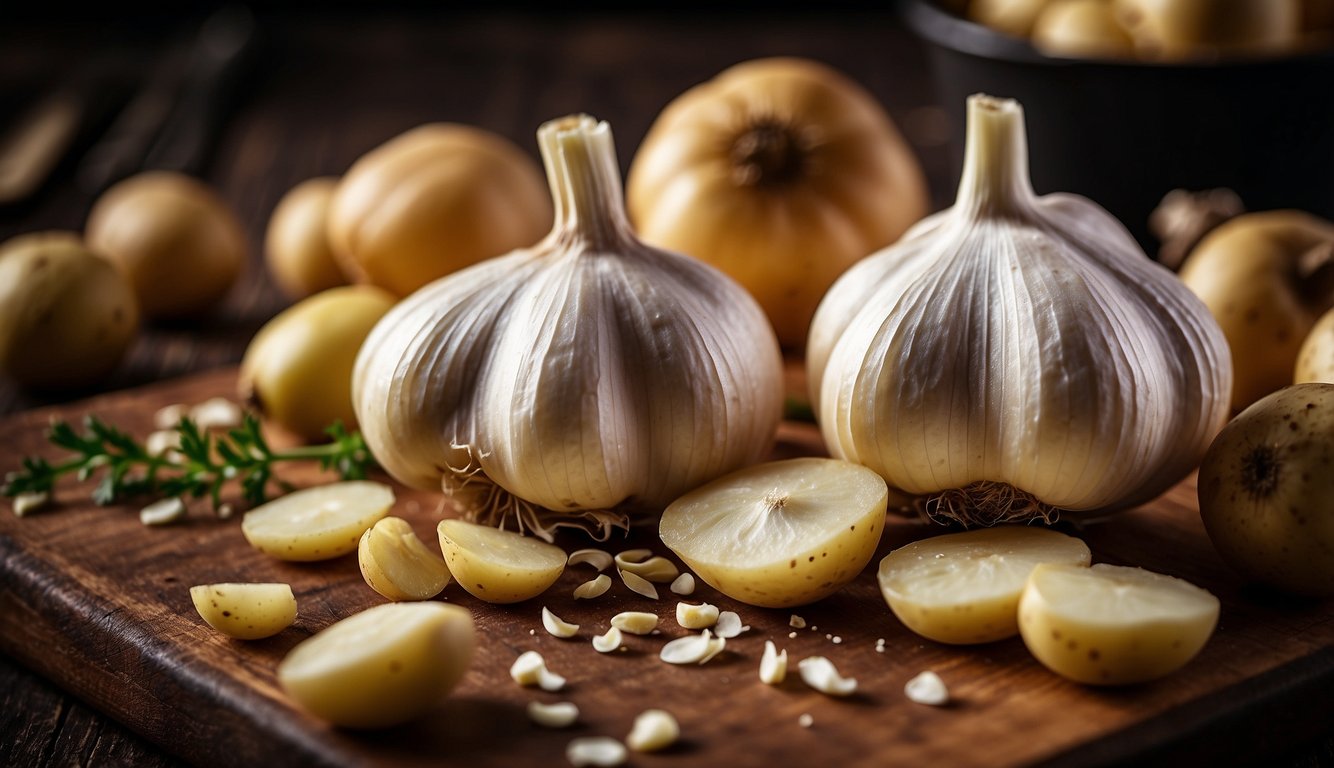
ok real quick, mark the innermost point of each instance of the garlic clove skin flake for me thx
(1017, 356)
(578, 380)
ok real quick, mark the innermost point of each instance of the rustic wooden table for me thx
(328, 86)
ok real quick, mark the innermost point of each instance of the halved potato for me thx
(781, 533)
(499, 566)
(381, 667)
(317, 523)
(395, 563)
(245, 611)
(1112, 625)
(965, 587)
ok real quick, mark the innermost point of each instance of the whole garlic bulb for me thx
(571, 382)
(1016, 356)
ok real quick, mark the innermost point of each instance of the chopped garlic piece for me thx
(607, 641)
(595, 557)
(820, 674)
(927, 688)
(806, 721)
(639, 585)
(163, 512)
(796, 622)
(225, 511)
(696, 616)
(598, 751)
(773, 664)
(25, 503)
(659, 570)
(557, 626)
(169, 416)
(591, 589)
(635, 622)
(632, 556)
(216, 413)
(729, 625)
(162, 441)
(683, 585)
(653, 730)
(560, 715)
(692, 649)
(531, 669)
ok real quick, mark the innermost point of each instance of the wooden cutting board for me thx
(99, 603)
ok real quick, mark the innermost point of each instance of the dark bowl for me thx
(1126, 133)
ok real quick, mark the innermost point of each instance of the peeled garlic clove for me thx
(654, 730)
(560, 715)
(597, 751)
(820, 674)
(607, 641)
(696, 616)
(164, 512)
(1017, 357)
(593, 588)
(548, 387)
(531, 669)
(773, 664)
(635, 622)
(556, 626)
(683, 585)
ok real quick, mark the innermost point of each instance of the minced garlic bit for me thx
(27, 503)
(806, 721)
(594, 588)
(696, 616)
(692, 649)
(531, 669)
(597, 751)
(164, 512)
(729, 625)
(635, 622)
(653, 730)
(559, 715)
(607, 641)
(836, 640)
(597, 558)
(639, 585)
(225, 511)
(880, 645)
(792, 634)
(820, 674)
(216, 413)
(556, 626)
(773, 664)
(683, 585)
(927, 688)
(796, 622)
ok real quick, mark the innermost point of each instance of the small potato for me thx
(395, 563)
(964, 587)
(499, 566)
(297, 371)
(245, 611)
(296, 243)
(181, 246)
(66, 315)
(1113, 625)
(1315, 359)
(381, 667)
(317, 523)
(780, 533)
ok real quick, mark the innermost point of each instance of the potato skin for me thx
(66, 316)
(1265, 487)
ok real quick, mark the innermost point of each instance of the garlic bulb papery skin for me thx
(1017, 356)
(577, 382)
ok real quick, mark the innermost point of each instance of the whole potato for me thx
(1266, 487)
(1315, 360)
(297, 371)
(434, 200)
(296, 243)
(66, 315)
(180, 245)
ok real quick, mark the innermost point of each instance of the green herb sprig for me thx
(201, 466)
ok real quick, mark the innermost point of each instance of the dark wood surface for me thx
(329, 85)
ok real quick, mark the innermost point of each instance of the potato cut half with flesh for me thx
(781, 533)
(381, 667)
(1114, 625)
(395, 563)
(499, 566)
(317, 523)
(245, 611)
(964, 587)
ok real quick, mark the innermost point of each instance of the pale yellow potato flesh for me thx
(499, 566)
(245, 611)
(383, 666)
(1113, 625)
(964, 588)
(317, 523)
(395, 563)
(781, 533)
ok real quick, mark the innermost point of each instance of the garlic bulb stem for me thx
(995, 167)
(580, 158)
